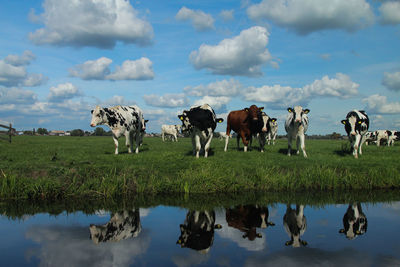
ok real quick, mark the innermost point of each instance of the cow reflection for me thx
(247, 219)
(197, 232)
(122, 225)
(295, 225)
(354, 221)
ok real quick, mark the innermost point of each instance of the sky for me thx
(61, 58)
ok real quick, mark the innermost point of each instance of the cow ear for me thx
(273, 119)
(180, 117)
(246, 109)
(304, 243)
(359, 122)
(220, 120)
(343, 122)
(290, 110)
(146, 121)
(288, 243)
(341, 231)
(261, 109)
(306, 111)
(91, 111)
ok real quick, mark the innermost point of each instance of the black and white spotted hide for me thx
(296, 126)
(197, 232)
(354, 222)
(200, 122)
(122, 120)
(295, 225)
(264, 129)
(122, 225)
(247, 218)
(356, 125)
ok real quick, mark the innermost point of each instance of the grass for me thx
(44, 167)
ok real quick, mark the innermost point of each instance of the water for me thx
(236, 235)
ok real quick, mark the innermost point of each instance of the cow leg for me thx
(137, 139)
(196, 145)
(303, 145)
(163, 136)
(207, 145)
(237, 139)
(363, 138)
(378, 142)
(289, 144)
(298, 144)
(115, 138)
(129, 141)
(226, 143)
(356, 146)
(261, 141)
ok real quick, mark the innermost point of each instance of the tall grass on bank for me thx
(44, 167)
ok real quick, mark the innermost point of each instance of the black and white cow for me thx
(370, 137)
(122, 225)
(295, 224)
(122, 120)
(171, 130)
(354, 222)
(273, 132)
(356, 125)
(393, 136)
(296, 126)
(263, 130)
(247, 218)
(197, 232)
(200, 122)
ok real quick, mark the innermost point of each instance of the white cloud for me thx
(230, 87)
(378, 104)
(227, 15)
(23, 60)
(117, 100)
(63, 92)
(390, 12)
(92, 69)
(392, 81)
(167, 100)
(141, 69)
(17, 96)
(218, 103)
(200, 20)
(306, 16)
(99, 23)
(278, 96)
(242, 55)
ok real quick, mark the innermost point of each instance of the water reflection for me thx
(295, 224)
(197, 232)
(355, 222)
(122, 225)
(247, 218)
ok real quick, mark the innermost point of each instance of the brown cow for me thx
(247, 219)
(245, 123)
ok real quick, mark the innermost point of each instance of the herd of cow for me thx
(197, 231)
(200, 123)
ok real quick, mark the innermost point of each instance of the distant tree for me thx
(77, 132)
(42, 131)
(336, 135)
(99, 131)
(28, 133)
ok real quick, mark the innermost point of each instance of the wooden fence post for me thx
(10, 132)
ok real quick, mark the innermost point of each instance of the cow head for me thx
(298, 113)
(397, 134)
(254, 112)
(144, 122)
(98, 116)
(265, 122)
(355, 123)
(186, 125)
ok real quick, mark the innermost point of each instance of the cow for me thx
(171, 130)
(245, 123)
(197, 232)
(247, 219)
(296, 126)
(354, 222)
(122, 120)
(356, 125)
(370, 137)
(122, 225)
(382, 136)
(200, 122)
(272, 133)
(143, 131)
(394, 135)
(295, 224)
(266, 125)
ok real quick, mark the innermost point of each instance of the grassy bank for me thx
(43, 167)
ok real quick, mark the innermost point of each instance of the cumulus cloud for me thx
(141, 69)
(92, 69)
(62, 92)
(227, 15)
(306, 16)
(17, 96)
(13, 71)
(241, 55)
(98, 23)
(200, 20)
(278, 96)
(115, 101)
(390, 12)
(218, 103)
(167, 100)
(392, 81)
(230, 87)
(378, 104)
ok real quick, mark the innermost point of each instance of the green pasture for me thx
(47, 167)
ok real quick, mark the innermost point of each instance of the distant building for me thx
(57, 133)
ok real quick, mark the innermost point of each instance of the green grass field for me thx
(44, 167)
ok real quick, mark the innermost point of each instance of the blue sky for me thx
(61, 58)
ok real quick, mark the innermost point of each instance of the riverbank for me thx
(47, 167)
